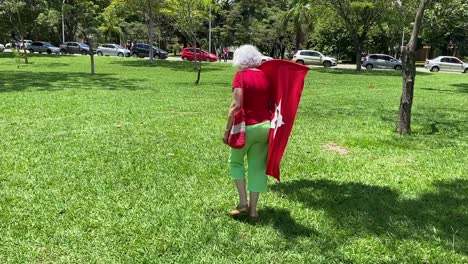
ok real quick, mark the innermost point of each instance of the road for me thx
(340, 66)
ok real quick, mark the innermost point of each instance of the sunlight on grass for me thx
(128, 167)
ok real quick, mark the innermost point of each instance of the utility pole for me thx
(209, 32)
(63, 23)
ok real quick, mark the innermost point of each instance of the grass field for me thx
(128, 167)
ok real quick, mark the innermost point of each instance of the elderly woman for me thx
(252, 92)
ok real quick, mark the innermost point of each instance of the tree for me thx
(189, 16)
(301, 17)
(88, 23)
(21, 16)
(358, 17)
(409, 71)
(331, 36)
(271, 35)
(447, 27)
(110, 27)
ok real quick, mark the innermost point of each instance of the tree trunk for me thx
(22, 38)
(26, 61)
(91, 55)
(358, 50)
(198, 73)
(298, 39)
(283, 51)
(150, 30)
(198, 65)
(409, 72)
(91, 51)
(406, 102)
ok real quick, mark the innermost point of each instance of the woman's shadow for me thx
(282, 221)
(377, 210)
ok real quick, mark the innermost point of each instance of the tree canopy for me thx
(343, 28)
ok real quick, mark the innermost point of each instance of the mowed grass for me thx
(128, 167)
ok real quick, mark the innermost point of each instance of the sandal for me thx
(240, 210)
(253, 218)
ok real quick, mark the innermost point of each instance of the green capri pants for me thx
(256, 149)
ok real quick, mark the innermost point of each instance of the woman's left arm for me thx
(236, 104)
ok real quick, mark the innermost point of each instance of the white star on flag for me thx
(277, 121)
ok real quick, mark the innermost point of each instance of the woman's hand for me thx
(225, 137)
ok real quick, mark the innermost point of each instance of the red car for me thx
(188, 54)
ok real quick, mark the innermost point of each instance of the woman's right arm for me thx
(236, 104)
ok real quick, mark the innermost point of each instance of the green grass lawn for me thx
(128, 167)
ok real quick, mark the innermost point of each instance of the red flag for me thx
(287, 79)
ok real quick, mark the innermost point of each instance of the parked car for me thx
(381, 61)
(311, 57)
(266, 58)
(141, 50)
(74, 48)
(2, 48)
(446, 63)
(113, 50)
(42, 46)
(26, 42)
(18, 44)
(188, 54)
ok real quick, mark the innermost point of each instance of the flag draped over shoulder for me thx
(287, 81)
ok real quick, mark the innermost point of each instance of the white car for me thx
(27, 43)
(446, 63)
(112, 50)
(266, 58)
(312, 57)
(2, 48)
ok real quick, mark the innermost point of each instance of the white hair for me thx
(247, 56)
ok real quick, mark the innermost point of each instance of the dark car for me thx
(42, 46)
(142, 50)
(74, 48)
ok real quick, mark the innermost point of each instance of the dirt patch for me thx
(335, 148)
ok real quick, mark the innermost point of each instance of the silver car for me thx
(41, 46)
(74, 48)
(446, 63)
(2, 48)
(381, 61)
(311, 57)
(112, 50)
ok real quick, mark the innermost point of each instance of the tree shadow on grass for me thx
(15, 81)
(282, 221)
(460, 88)
(173, 65)
(363, 210)
(432, 127)
(364, 72)
(34, 55)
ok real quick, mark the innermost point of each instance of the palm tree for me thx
(300, 14)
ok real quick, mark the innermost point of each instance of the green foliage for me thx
(89, 20)
(189, 16)
(333, 26)
(128, 167)
(446, 27)
(111, 26)
(331, 36)
(301, 16)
